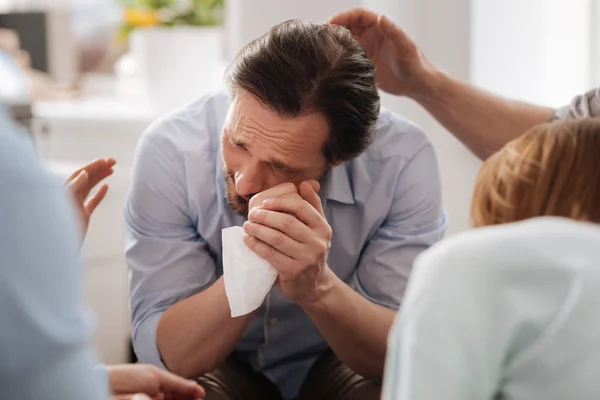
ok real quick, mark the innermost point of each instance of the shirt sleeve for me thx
(415, 222)
(471, 309)
(46, 330)
(582, 106)
(167, 258)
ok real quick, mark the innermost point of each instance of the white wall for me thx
(535, 50)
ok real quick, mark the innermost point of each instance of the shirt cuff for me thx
(144, 342)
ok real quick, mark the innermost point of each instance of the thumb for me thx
(308, 191)
(315, 185)
(396, 35)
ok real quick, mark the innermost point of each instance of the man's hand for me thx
(82, 181)
(290, 232)
(400, 66)
(130, 381)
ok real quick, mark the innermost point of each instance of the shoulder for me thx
(194, 127)
(544, 243)
(396, 137)
(582, 106)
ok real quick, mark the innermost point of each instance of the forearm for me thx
(355, 328)
(484, 122)
(198, 333)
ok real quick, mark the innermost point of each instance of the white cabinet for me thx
(68, 135)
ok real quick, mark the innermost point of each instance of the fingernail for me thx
(253, 213)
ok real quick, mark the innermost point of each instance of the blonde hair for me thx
(551, 170)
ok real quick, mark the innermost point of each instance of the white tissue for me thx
(248, 278)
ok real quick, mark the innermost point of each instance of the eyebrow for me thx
(278, 163)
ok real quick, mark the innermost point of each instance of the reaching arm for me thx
(180, 311)
(482, 121)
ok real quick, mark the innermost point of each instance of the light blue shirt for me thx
(384, 208)
(508, 312)
(45, 333)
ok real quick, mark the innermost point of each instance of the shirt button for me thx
(274, 321)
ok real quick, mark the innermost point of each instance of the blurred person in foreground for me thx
(510, 310)
(336, 194)
(484, 122)
(44, 340)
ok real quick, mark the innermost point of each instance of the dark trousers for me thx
(328, 379)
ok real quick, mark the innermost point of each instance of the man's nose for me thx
(248, 181)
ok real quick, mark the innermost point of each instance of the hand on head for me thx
(400, 66)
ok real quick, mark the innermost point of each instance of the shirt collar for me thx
(336, 185)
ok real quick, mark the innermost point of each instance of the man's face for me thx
(261, 149)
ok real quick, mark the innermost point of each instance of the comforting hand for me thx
(82, 181)
(400, 67)
(133, 381)
(288, 229)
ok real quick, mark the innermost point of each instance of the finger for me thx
(275, 238)
(356, 18)
(277, 259)
(97, 171)
(282, 231)
(279, 190)
(397, 36)
(308, 193)
(99, 175)
(92, 202)
(91, 167)
(315, 185)
(178, 386)
(78, 184)
(285, 223)
(298, 206)
(110, 162)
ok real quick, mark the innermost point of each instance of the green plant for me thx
(145, 13)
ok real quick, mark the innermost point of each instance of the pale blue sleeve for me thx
(415, 222)
(46, 329)
(167, 258)
(472, 307)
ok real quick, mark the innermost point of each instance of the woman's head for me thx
(551, 170)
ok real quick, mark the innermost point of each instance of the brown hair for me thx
(298, 68)
(551, 170)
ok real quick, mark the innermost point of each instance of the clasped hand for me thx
(287, 227)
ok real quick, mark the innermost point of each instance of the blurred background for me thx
(87, 77)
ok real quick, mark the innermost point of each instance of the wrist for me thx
(429, 84)
(324, 289)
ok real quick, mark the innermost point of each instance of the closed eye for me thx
(283, 168)
(237, 144)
